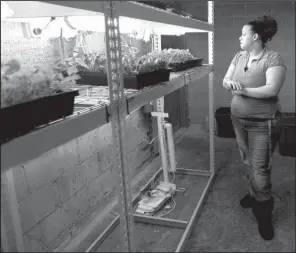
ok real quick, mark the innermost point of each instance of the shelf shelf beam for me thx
(40, 141)
(146, 96)
(143, 12)
(140, 11)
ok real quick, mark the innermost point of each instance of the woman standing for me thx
(255, 77)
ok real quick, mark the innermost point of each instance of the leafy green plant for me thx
(88, 62)
(22, 85)
(149, 63)
(173, 56)
(131, 65)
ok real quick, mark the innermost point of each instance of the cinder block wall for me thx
(59, 189)
(230, 16)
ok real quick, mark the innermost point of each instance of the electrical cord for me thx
(148, 142)
(133, 50)
(178, 189)
(174, 176)
(132, 113)
(113, 214)
(149, 190)
(175, 204)
(38, 31)
(66, 20)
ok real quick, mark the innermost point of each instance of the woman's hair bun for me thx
(269, 24)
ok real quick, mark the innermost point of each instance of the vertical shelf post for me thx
(158, 104)
(211, 87)
(118, 113)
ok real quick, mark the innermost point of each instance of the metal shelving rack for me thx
(67, 129)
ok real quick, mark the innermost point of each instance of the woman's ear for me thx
(255, 36)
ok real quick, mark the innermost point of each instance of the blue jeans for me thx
(256, 139)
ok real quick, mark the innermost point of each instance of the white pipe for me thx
(171, 146)
(163, 150)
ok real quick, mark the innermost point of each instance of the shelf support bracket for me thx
(211, 88)
(158, 104)
(118, 114)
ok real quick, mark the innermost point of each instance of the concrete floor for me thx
(223, 225)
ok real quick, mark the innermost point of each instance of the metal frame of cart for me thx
(61, 132)
(159, 105)
(161, 221)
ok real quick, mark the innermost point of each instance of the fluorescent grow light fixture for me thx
(96, 24)
(133, 16)
(5, 10)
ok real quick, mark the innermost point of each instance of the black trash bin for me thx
(224, 123)
(287, 142)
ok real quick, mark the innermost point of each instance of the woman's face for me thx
(247, 38)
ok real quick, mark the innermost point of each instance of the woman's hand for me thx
(238, 92)
(232, 85)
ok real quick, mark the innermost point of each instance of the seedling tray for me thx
(93, 78)
(22, 118)
(186, 65)
(142, 80)
(131, 81)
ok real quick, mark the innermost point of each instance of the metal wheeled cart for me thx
(120, 104)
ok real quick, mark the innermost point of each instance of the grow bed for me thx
(186, 65)
(131, 81)
(22, 118)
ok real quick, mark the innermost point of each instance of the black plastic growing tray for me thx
(93, 78)
(142, 80)
(22, 118)
(131, 81)
(186, 65)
